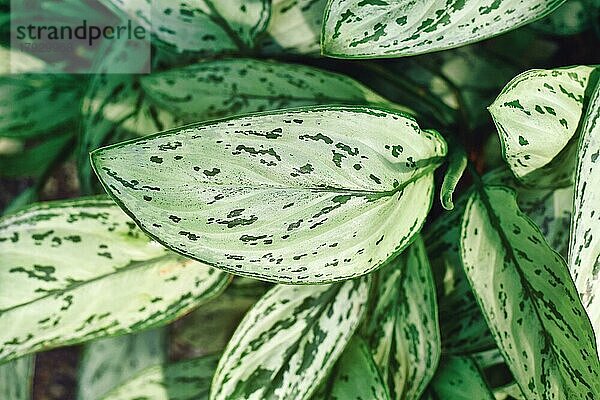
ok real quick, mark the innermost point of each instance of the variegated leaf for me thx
(459, 378)
(223, 88)
(537, 115)
(463, 327)
(200, 26)
(529, 300)
(108, 363)
(289, 340)
(294, 27)
(16, 379)
(403, 328)
(584, 245)
(356, 375)
(183, 380)
(313, 195)
(78, 270)
(391, 28)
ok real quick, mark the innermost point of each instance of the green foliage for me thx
(271, 230)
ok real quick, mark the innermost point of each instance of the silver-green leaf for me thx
(289, 340)
(403, 327)
(392, 28)
(529, 299)
(537, 115)
(78, 270)
(16, 379)
(313, 195)
(223, 88)
(584, 246)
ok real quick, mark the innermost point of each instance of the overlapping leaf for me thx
(391, 28)
(295, 27)
(201, 26)
(356, 376)
(403, 327)
(108, 363)
(537, 115)
(208, 329)
(459, 378)
(78, 270)
(571, 18)
(529, 300)
(289, 341)
(183, 380)
(584, 246)
(222, 88)
(313, 195)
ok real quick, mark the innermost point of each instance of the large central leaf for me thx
(303, 196)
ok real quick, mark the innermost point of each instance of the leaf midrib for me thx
(133, 265)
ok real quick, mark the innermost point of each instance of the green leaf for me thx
(16, 379)
(403, 327)
(463, 327)
(383, 28)
(537, 115)
(289, 341)
(208, 329)
(34, 161)
(459, 378)
(294, 27)
(79, 270)
(457, 163)
(36, 105)
(201, 26)
(184, 380)
(584, 246)
(528, 298)
(214, 89)
(108, 363)
(313, 195)
(573, 17)
(356, 376)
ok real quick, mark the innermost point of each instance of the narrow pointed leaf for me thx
(356, 376)
(16, 378)
(403, 329)
(584, 247)
(183, 380)
(392, 28)
(459, 378)
(297, 196)
(529, 299)
(289, 340)
(537, 115)
(463, 327)
(223, 88)
(108, 363)
(79, 270)
(36, 105)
